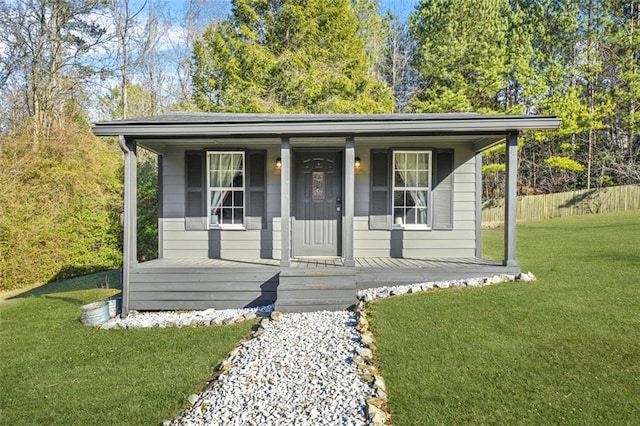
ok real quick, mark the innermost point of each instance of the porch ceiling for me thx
(479, 141)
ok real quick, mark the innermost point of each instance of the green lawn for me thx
(565, 349)
(53, 370)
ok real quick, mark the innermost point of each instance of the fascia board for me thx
(494, 124)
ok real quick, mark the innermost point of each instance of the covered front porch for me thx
(306, 284)
(303, 210)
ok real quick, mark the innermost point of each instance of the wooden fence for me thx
(563, 204)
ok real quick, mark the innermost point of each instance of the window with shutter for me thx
(411, 189)
(232, 183)
(226, 189)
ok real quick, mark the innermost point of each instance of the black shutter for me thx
(195, 212)
(380, 208)
(443, 190)
(256, 190)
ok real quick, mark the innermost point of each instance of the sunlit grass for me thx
(565, 349)
(53, 370)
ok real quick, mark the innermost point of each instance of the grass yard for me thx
(53, 370)
(565, 349)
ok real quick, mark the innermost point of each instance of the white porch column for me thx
(285, 203)
(348, 202)
(510, 204)
(129, 242)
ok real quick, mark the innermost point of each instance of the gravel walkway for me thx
(186, 319)
(298, 370)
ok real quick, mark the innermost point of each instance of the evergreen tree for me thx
(461, 55)
(287, 56)
(623, 76)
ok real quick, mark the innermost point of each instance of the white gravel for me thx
(186, 319)
(299, 370)
(370, 294)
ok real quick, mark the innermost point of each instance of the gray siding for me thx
(459, 242)
(181, 243)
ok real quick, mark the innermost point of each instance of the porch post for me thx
(478, 161)
(348, 202)
(511, 193)
(129, 242)
(160, 159)
(285, 203)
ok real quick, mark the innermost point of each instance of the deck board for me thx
(458, 263)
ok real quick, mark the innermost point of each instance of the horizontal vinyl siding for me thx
(248, 243)
(180, 243)
(419, 243)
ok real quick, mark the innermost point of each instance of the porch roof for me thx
(203, 125)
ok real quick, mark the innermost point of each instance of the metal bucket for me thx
(115, 306)
(95, 313)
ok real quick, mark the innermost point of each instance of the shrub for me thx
(60, 205)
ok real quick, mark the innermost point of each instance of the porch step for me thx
(316, 289)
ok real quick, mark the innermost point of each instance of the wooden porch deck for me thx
(308, 284)
(444, 263)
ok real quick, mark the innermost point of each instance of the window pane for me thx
(238, 179)
(411, 161)
(423, 179)
(227, 216)
(238, 216)
(214, 162)
(421, 216)
(216, 200)
(237, 160)
(398, 198)
(400, 160)
(423, 161)
(237, 199)
(398, 216)
(400, 179)
(411, 198)
(410, 217)
(419, 198)
(227, 199)
(411, 178)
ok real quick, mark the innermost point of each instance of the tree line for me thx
(66, 62)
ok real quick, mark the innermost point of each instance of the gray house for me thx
(302, 210)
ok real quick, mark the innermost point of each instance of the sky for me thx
(400, 8)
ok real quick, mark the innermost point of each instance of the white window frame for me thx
(240, 226)
(429, 208)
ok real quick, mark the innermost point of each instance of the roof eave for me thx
(356, 127)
